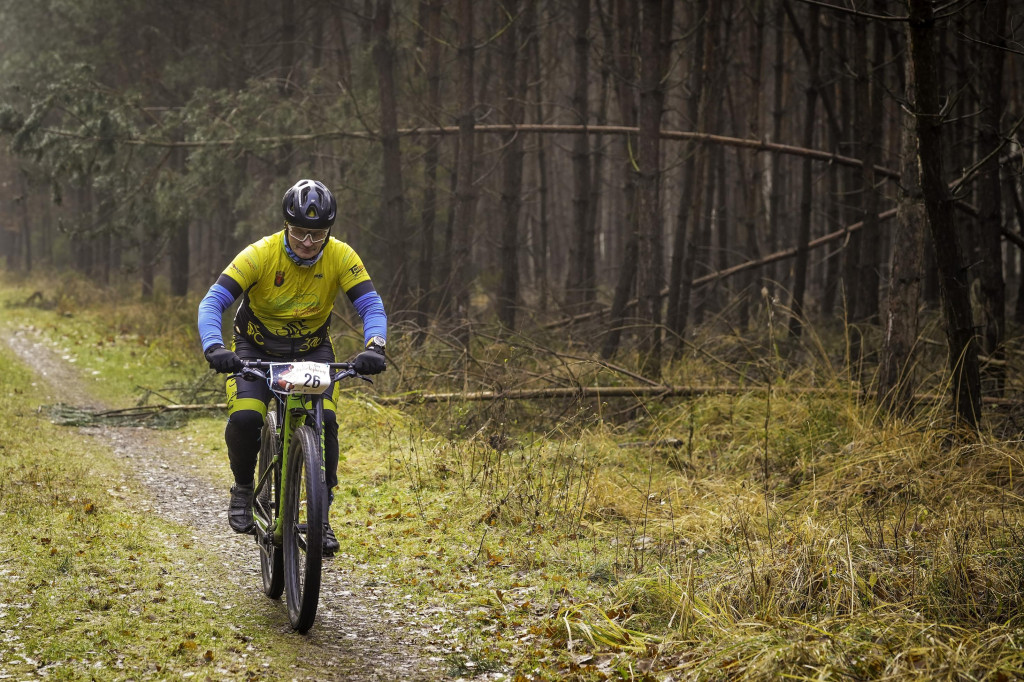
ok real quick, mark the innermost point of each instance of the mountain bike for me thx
(290, 500)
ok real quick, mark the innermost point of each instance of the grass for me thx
(89, 587)
(752, 535)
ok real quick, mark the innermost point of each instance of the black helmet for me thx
(308, 203)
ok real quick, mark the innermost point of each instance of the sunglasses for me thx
(301, 235)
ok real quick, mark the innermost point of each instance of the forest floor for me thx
(363, 631)
(739, 534)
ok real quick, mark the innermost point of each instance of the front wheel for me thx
(303, 508)
(266, 508)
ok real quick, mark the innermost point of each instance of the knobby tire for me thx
(267, 507)
(303, 511)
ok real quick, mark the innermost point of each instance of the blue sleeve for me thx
(211, 314)
(371, 310)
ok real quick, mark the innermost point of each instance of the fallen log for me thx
(578, 392)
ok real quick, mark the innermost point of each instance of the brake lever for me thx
(352, 373)
(250, 374)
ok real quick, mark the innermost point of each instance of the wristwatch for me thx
(376, 344)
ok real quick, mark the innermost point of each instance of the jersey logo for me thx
(279, 278)
(318, 275)
(293, 329)
(356, 270)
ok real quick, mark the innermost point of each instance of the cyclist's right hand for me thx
(222, 359)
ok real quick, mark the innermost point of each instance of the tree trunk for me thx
(392, 210)
(963, 347)
(625, 16)
(540, 238)
(428, 213)
(656, 26)
(806, 180)
(579, 284)
(26, 223)
(689, 211)
(990, 223)
(753, 183)
(870, 91)
(511, 194)
(895, 373)
(465, 192)
(775, 174)
(288, 43)
(178, 243)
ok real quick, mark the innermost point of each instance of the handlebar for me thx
(257, 369)
(265, 364)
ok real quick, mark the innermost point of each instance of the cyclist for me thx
(288, 282)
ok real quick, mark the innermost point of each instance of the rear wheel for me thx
(303, 513)
(265, 510)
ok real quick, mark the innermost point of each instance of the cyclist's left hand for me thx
(370, 362)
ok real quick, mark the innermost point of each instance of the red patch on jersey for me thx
(279, 278)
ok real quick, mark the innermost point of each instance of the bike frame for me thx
(295, 410)
(292, 410)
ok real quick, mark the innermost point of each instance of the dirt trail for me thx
(362, 633)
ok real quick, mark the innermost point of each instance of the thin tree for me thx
(990, 58)
(900, 324)
(465, 191)
(579, 283)
(431, 156)
(625, 69)
(511, 193)
(690, 205)
(955, 285)
(656, 27)
(392, 209)
(806, 179)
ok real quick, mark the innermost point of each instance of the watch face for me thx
(376, 341)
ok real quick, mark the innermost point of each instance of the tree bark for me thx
(626, 17)
(990, 223)
(431, 156)
(775, 182)
(872, 89)
(511, 193)
(895, 373)
(656, 26)
(579, 283)
(178, 244)
(392, 210)
(465, 192)
(690, 205)
(955, 285)
(806, 180)
(540, 237)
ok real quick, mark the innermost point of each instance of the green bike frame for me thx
(298, 409)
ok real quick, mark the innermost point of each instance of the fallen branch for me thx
(578, 392)
(581, 392)
(735, 269)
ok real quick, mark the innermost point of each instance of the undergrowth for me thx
(773, 525)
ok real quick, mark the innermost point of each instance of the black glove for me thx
(370, 361)
(223, 360)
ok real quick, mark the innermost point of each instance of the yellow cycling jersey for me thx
(292, 301)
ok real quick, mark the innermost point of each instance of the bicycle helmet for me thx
(309, 204)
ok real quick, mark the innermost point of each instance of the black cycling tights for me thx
(242, 435)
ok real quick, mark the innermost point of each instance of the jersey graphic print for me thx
(293, 301)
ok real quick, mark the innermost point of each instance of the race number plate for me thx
(300, 377)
